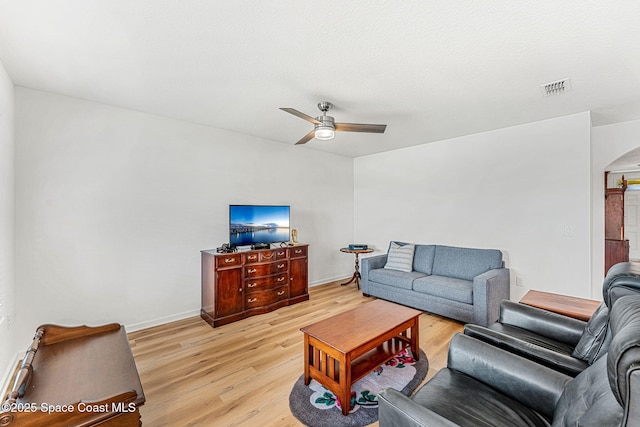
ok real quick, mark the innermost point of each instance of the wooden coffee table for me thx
(340, 350)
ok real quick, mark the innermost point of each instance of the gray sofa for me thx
(460, 283)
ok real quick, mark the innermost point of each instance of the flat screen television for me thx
(256, 224)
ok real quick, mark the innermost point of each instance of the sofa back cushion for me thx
(622, 279)
(596, 336)
(588, 400)
(423, 258)
(465, 263)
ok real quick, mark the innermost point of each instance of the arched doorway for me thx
(622, 209)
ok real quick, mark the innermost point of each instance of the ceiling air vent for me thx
(556, 88)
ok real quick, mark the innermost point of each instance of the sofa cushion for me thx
(445, 287)
(595, 338)
(398, 279)
(449, 387)
(423, 258)
(400, 257)
(588, 400)
(465, 263)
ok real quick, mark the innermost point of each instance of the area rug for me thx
(315, 406)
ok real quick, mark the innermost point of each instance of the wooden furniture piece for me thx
(242, 284)
(340, 350)
(616, 248)
(356, 274)
(615, 251)
(579, 308)
(80, 376)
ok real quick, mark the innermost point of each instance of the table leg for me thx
(307, 377)
(415, 340)
(356, 274)
(345, 385)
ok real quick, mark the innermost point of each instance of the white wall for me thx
(608, 144)
(113, 207)
(7, 234)
(514, 189)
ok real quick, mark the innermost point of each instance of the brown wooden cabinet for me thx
(298, 279)
(242, 284)
(616, 248)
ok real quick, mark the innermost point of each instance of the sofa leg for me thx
(365, 295)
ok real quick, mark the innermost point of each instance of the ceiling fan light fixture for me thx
(325, 127)
(324, 133)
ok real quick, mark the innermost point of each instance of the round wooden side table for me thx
(356, 273)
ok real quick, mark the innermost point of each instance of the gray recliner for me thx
(484, 385)
(560, 342)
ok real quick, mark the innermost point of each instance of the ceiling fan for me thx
(325, 126)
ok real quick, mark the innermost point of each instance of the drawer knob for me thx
(228, 260)
(298, 251)
(252, 285)
(280, 265)
(279, 279)
(251, 270)
(252, 300)
(280, 293)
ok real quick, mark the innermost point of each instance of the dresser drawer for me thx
(297, 252)
(264, 298)
(261, 256)
(259, 270)
(228, 260)
(262, 283)
(281, 253)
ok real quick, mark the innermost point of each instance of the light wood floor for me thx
(241, 374)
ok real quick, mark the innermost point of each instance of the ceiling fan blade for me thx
(308, 137)
(358, 127)
(301, 115)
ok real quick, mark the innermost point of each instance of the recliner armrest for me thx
(538, 353)
(549, 324)
(526, 381)
(397, 410)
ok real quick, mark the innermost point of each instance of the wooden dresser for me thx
(72, 377)
(242, 284)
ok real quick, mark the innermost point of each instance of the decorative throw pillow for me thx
(400, 257)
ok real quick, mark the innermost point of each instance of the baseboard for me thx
(192, 313)
(329, 280)
(5, 385)
(161, 321)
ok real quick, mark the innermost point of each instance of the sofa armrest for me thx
(526, 381)
(366, 265)
(489, 289)
(543, 322)
(538, 353)
(397, 410)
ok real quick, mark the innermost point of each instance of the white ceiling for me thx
(430, 70)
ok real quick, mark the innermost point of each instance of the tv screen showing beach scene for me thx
(250, 224)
